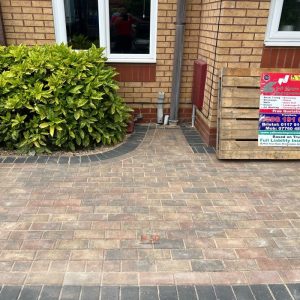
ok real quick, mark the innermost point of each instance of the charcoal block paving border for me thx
(195, 141)
(130, 144)
(189, 292)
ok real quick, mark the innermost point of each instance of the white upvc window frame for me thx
(104, 32)
(274, 37)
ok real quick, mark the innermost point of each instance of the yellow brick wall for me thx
(28, 22)
(236, 42)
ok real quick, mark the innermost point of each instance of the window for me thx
(284, 23)
(125, 28)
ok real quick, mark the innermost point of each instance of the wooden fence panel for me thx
(238, 114)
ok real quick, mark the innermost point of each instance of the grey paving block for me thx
(186, 293)
(110, 292)
(130, 292)
(205, 292)
(198, 149)
(261, 292)
(42, 159)
(63, 159)
(280, 292)
(224, 292)
(85, 159)
(75, 160)
(10, 292)
(9, 160)
(243, 292)
(52, 160)
(70, 292)
(169, 244)
(148, 293)
(167, 293)
(20, 159)
(31, 159)
(50, 293)
(210, 149)
(211, 265)
(294, 290)
(187, 253)
(93, 157)
(30, 293)
(90, 293)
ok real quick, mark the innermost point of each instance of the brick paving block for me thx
(149, 293)
(12, 278)
(186, 292)
(70, 292)
(224, 292)
(120, 254)
(290, 276)
(82, 278)
(50, 292)
(169, 244)
(76, 266)
(161, 278)
(243, 292)
(225, 278)
(212, 265)
(251, 253)
(219, 254)
(205, 292)
(280, 292)
(22, 266)
(110, 292)
(187, 254)
(40, 266)
(138, 266)
(30, 293)
(10, 292)
(167, 292)
(6, 266)
(263, 277)
(294, 290)
(129, 292)
(125, 278)
(240, 265)
(44, 278)
(173, 266)
(90, 293)
(188, 278)
(261, 292)
(273, 264)
(87, 254)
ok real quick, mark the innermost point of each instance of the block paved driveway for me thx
(220, 223)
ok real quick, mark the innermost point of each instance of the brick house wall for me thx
(231, 35)
(28, 22)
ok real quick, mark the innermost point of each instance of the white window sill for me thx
(283, 43)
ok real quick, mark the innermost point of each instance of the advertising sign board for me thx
(279, 110)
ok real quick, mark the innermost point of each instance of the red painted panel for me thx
(135, 72)
(200, 68)
(280, 57)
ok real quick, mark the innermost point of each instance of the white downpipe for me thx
(59, 21)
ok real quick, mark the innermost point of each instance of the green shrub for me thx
(52, 97)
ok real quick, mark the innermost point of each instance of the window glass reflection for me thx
(82, 23)
(290, 16)
(130, 26)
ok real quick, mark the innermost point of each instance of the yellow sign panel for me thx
(295, 77)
